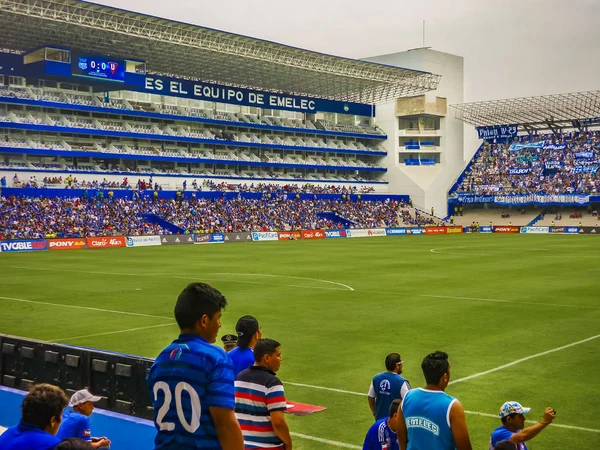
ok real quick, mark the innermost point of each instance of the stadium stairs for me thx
(536, 219)
(335, 217)
(153, 218)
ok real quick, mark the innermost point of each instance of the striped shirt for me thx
(258, 393)
(187, 378)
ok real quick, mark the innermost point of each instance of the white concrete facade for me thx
(427, 185)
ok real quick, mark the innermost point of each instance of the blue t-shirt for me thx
(427, 417)
(241, 358)
(503, 434)
(74, 425)
(380, 437)
(187, 378)
(27, 437)
(387, 387)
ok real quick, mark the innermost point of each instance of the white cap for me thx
(83, 396)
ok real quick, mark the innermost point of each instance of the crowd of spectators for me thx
(74, 217)
(561, 164)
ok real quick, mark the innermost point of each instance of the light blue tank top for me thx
(427, 417)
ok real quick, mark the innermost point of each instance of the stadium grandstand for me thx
(540, 167)
(130, 135)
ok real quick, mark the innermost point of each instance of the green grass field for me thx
(487, 300)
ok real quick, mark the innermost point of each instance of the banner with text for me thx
(313, 234)
(516, 147)
(142, 241)
(499, 131)
(335, 234)
(370, 232)
(265, 236)
(67, 244)
(106, 242)
(23, 246)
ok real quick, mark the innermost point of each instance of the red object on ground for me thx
(302, 409)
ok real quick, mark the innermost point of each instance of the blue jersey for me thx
(27, 437)
(74, 425)
(242, 359)
(386, 387)
(427, 417)
(380, 437)
(503, 434)
(187, 378)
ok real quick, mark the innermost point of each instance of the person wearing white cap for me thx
(512, 415)
(76, 422)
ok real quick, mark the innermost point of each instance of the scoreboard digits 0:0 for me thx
(98, 67)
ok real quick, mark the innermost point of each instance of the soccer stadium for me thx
(135, 149)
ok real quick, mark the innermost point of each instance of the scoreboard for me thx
(98, 67)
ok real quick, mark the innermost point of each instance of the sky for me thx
(511, 48)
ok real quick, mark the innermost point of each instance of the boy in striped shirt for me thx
(260, 401)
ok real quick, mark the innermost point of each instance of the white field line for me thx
(527, 358)
(286, 276)
(129, 330)
(86, 308)
(206, 276)
(478, 299)
(325, 441)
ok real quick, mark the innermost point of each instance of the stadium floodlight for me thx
(202, 53)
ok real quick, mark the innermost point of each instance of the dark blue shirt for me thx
(380, 437)
(27, 437)
(242, 359)
(187, 378)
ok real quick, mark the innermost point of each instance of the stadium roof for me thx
(209, 55)
(548, 111)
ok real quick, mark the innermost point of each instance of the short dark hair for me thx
(245, 328)
(505, 445)
(195, 301)
(265, 347)
(74, 444)
(394, 406)
(391, 360)
(43, 402)
(434, 366)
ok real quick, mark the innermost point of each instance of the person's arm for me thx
(404, 389)
(371, 399)
(401, 431)
(532, 431)
(228, 428)
(458, 425)
(281, 428)
(99, 443)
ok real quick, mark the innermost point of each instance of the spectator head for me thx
(83, 402)
(393, 363)
(505, 445)
(512, 415)
(43, 407)
(229, 342)
(436, 369)
(248, 331)
(74, 444)
(267, 353)
(198, 311)
(393, 415)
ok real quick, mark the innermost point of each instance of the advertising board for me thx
(23, 246)
(416, 231)
(535, 230)
(264, 236)
(335, 234)
(289, 235)
(67, 244)
(176, 239)
(506, 229)
(313, 234)
(369, 232)
(142, 241)
(106, 242)
(564, 230)
(396, 232)
(237, 237)
(455, 230)
(435, 230)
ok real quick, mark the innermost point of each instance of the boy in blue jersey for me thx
(382, 434)
(512, 415)
(387, 386)
(428, 418)
(76, 421)
(249, 333)
(41, 413)
(191, 381)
